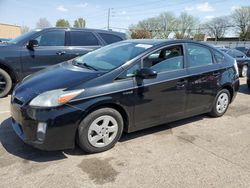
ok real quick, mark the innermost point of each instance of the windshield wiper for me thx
(89, 66)
(84, 65)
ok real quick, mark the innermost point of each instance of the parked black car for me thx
(3, 40)
(38, 49)
(245, 50)
(241, 58)
(126, 86)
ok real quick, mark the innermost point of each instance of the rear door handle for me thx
(60, 52)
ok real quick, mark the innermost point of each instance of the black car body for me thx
(242, 60)
(248, 78)
(245, 50)
(41, 48)
(137, 83)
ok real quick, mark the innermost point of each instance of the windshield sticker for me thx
(145, 46)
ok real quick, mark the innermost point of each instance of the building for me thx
(9, 31)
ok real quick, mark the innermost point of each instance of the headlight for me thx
(54, 98)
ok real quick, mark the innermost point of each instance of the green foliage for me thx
(80, 23)
(62, 23)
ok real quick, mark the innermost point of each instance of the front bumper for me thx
(62, 123)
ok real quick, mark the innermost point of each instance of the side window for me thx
(238, 54)
(82, 38)
(219, 57)
(167, 59)
(51, 38)
(198, 55)
(109, 38)
(129, 72)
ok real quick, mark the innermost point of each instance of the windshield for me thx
(21, 37)
(111, 56)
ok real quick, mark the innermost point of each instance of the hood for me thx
(64, 75)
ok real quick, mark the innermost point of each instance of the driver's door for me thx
(50, 51)
(163, 98)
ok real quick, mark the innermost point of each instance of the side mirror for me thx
(146, 73)
(31, 44)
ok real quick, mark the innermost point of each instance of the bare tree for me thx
(185, 26)
(24, 29)
(43, 23)
(241, 19)
(80, 23)
(216, 27)
(166, 24)
(159, 27)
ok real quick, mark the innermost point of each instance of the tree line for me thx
(186, 26)
(43, 23)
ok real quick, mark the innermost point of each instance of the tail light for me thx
(236, 67)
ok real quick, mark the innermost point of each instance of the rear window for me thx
(80, 38)
(219, 58)
(109, 38)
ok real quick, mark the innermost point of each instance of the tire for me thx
(5, 83)
(219, 109)
(100, 130)
(248, 84)
(243, 72)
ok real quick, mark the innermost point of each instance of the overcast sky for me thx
(123, 13)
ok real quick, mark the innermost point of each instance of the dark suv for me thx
(40, 48)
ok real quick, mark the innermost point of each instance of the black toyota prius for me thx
(123, 87)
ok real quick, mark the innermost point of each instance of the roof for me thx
(165, 41)
(86, 29)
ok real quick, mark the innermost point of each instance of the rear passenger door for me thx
(81, 42)
(204, 74)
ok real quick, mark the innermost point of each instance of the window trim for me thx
(70, 42)
(208, 48)
(176, 44)
(140, 61)
(42, 33)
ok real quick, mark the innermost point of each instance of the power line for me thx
(171, 30)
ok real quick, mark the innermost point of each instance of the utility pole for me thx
(108, 18)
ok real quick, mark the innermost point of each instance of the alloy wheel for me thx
(2, 83)
(222, 103)
(102, 131)
(244, 71)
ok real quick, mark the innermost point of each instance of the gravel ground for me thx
(195, 152)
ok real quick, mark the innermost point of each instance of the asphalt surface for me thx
(195, 152)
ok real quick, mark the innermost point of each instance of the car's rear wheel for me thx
(243, 72)
(5, 83)
(100, 130)
(221, 103)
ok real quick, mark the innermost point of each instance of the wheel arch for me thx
(10, 72)
(230, 89)
(110, 104)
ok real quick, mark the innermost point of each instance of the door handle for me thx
(60, 52)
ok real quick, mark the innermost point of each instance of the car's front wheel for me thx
(221, 103)
(100, 130)
(5, 83)
(243, 72)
